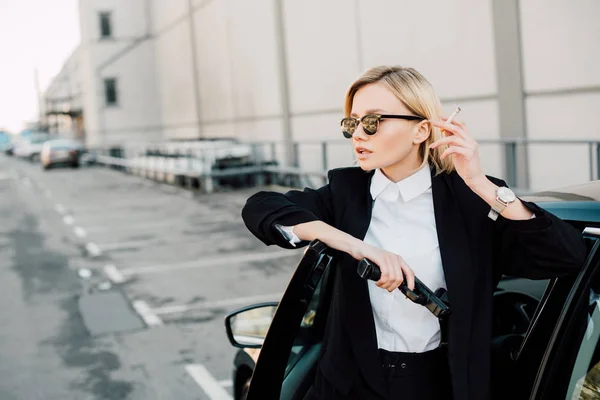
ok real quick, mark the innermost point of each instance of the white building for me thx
(277, 70)
(62, 103)
(115, 74)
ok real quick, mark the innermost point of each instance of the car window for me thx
(38, 140)
(307, 335)
(585, 375)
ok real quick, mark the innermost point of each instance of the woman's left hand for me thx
(463, 148)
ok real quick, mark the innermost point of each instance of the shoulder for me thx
(353, 179)
(349, 173)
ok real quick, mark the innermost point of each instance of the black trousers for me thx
(418, 376)
(409, 376)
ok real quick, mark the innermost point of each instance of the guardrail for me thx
(207, 179)
(202, 165)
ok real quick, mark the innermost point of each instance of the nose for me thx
(359, 133)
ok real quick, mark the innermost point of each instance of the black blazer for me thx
(475, 252)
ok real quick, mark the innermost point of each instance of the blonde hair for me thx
(417, 94)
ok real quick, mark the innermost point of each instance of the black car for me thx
(546, 334)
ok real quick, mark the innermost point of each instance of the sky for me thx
(34, 34)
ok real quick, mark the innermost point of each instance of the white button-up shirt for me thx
(403, 223)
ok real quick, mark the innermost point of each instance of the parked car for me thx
(60, 152)
(30, 146)
(5, 142)
(546, 334)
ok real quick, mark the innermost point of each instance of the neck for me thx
(403, 168)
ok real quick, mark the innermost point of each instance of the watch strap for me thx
(497, 209)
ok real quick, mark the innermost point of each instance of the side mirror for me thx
(248, 326)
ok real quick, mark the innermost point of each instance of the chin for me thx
(366, 165)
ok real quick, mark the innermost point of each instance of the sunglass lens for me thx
(369, 124)
(348, 127)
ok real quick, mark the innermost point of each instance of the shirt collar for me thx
(409, 188)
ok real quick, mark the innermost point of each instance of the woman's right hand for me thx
(394, 270)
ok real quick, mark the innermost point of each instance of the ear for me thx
(423, 132)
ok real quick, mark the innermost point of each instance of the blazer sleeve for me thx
(265, 209)
(539, 248)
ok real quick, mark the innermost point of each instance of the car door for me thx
(286, 366)
(570, 368)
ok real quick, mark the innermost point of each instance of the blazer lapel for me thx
(458, 268)
(359, 315)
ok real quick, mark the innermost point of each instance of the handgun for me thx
(436, 302)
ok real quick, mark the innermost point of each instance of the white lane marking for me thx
(144, 311)
(125, 245)
(210, 262)
(80, 232)
(92, 249)
(207, 382)
(226, 383)
(114, 274)
(60, 209)
(165, 223)
(218, 303)
(68, 219)
(125, 206)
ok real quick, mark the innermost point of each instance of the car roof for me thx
(589, 191)
(576, 203)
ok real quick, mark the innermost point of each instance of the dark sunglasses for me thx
(370, 123)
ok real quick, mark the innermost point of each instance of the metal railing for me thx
(204, 164)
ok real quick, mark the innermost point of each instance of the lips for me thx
(362, 152)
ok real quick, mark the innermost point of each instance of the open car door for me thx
(288, 357)
(570, 368)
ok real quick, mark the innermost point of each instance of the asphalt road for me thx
(115, 287)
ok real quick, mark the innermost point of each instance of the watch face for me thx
(506, 195)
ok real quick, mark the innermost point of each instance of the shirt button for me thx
(403, 365)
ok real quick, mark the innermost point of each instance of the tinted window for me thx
(110, 91)
(308, 335)
(105, 25)
(585, 375)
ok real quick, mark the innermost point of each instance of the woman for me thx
(418, 204)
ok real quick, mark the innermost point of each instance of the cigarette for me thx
(454, 114)
(449, 120)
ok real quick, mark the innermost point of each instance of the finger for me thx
(395, 274)
(384, 280)
(449, 140)
(399, 277)
(455, 129)
(409, 275)
(461, 124)
(455, 150)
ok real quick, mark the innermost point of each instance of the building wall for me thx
(173, 58)
(562, 86)
(64, 95)
(222, 68)
(129, 57)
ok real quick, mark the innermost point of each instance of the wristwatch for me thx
(504, 196)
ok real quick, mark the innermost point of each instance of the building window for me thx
(105, 25)
(110, 91)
